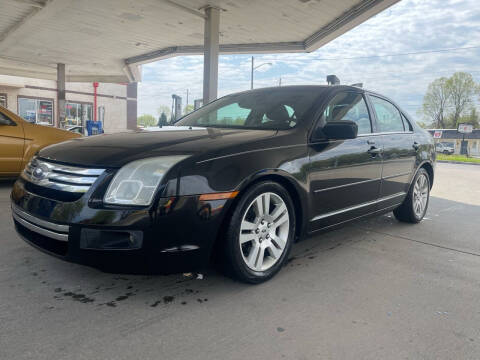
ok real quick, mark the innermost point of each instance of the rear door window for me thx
(388, 116)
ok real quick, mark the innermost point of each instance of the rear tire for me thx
(415, 205)
(260, 233)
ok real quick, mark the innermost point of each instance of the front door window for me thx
(349, 106)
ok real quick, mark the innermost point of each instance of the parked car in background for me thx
(445, 148)
(75, 129)
(20, 140)
(240, 179)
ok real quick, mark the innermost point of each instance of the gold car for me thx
(20, 140)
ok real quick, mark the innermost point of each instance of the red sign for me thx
(437, 134)
(465, 128)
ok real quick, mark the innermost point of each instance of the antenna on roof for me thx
(333, 80)
(359, 85)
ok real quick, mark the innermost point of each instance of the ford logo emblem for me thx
(39, 173)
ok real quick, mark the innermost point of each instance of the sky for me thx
(434, 27)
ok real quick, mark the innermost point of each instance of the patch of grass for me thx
(460, 158)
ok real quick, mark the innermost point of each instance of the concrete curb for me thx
(457, 162)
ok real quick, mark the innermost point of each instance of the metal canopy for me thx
(107, 40)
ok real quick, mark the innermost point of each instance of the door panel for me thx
(399, 151)
(398, 163)
(11, 146)
(344, 180)
(344, 175)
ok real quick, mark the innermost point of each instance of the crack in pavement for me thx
(424, 242)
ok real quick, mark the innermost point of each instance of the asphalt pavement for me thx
(375, 289)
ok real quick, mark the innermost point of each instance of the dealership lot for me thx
(374, 289)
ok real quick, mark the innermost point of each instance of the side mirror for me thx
(340, 130)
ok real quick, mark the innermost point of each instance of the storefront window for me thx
(3, 100)
(76, 115)
(36, 111)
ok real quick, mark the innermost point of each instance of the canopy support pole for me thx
(211, 50)
(61, 94)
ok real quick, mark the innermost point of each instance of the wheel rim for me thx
(420, 195)
(264, 231)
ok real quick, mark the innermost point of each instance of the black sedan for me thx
(241, 180)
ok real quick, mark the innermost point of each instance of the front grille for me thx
(72, 179)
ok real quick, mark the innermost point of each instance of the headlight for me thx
(136, 182)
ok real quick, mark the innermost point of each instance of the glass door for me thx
(76, 116)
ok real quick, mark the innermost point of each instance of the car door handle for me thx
(374, 150)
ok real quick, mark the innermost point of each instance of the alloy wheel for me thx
(264, 231)
(420, 195)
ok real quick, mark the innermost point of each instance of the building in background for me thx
(36, 101)
(451, 137)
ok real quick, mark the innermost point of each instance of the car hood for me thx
(118, 149)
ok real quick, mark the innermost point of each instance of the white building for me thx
(36, 101)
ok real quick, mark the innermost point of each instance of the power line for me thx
(378, 56)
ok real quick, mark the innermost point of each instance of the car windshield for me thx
(277, 109)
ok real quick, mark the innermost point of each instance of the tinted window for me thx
(349, 106)
(261, 109)
(232, 114)
(388, 116)
(4, 120)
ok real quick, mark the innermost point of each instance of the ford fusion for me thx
(239, 181)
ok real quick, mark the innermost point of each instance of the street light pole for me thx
(253, 68)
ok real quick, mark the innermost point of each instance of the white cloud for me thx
(409, 26)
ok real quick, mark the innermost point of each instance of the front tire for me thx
(260, 233)
(415, 205)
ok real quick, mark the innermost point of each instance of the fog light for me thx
(110, 239)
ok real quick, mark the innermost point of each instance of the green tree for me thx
(435, 102)
(163, 109)
(472, 118)
(162, 121)
(188, 109)
(146, 120)
(461, 88)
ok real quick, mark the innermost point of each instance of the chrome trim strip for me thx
(385, 133)
(71, 169)
(396, 175)
(359, 206)
(346, 185)
(85, 180)
(46, 224)
(39, 230)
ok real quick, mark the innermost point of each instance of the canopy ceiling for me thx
(107, 40)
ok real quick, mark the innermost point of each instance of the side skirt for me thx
(340, 224)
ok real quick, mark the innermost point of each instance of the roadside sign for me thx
(437, 134)
(465, 128)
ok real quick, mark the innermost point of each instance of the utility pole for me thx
(280, 81)
(251, 76)
(187, 99)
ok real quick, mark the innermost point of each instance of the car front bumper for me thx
(177, 234)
